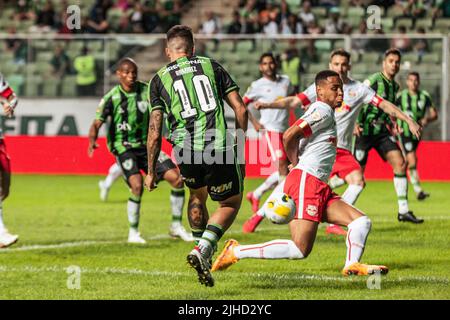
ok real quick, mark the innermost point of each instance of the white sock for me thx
(268, 184)
(275, 249)
(351, 193)
(177, 204)
(2, 224)
(335, 182)
(133, 209)
(401, 188)
(357, 233)
(114, 172)
(414, 179)
(278, 189)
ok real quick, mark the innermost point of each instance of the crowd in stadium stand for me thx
(121, 16)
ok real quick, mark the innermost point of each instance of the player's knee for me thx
(137, 188)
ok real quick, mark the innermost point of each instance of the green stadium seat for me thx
(32, 86)
(323, 45)
(394, 11)
(436, 46)
(411, 57)
(50, 87)
(442, 24)
(406, 22)
(357, 12)
(43, 68)
(431, 58)
(319, 12)
(425, 23)
(44, 56)
(69, 86)
(95, 45)
(244, 45)
(387, 24)
(317, 67)
(370, 57)
(226, 45)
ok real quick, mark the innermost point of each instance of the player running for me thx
(356, 95)
(190, 90)
(311, 147)
(270, 87)
(417, 103)
(9, 101)
(373, 132)
(127, 106)
(114, 172)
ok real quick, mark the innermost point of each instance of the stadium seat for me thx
(50, 87)
(436, 46)
(244, 45)
(69, 87)
(323, 45)
(431, 58)
(32, 86)
(411, 57)
(405, 22)
(370, 57)
(316, 67)
(387, 24)
(319, 12)
(425, 23)
(44, 56)
(95, 45)
(356, 12)
(443, 25)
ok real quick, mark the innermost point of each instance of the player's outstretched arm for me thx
(153, 147)
(93, 134)
(285, 103)
(291, 139)
(393, 111)
(240, 109)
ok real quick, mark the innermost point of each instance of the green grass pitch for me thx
(62, 223)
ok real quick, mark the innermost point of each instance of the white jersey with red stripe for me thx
(268, 91)
(317, 150)
(356, 95)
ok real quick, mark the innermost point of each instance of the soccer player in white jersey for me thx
(311, 147)
(356, 96)
(273, 123)
(8, 100)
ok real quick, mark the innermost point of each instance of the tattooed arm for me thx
(153, 147)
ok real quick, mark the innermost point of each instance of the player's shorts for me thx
(5, 164)
(134, 161)
(409, 144)
(345, 163)
(223, 179)
(274, 144)
(312, 196)
(383, 143)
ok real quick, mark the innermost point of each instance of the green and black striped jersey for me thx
(190, 91)
(129, 114)
(413, 105)
(372, 119)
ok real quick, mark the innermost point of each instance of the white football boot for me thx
(135, 237)
(7, 239)
(178, 231)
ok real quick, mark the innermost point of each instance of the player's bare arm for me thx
(290, 141)
(430, 117)
(239, 108)
(256, 124)
(93, 134)
(393, 111)
(153, 147)
(285, 103)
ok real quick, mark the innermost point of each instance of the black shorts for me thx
(223, 179)
(409, 144)
(383, 143)
(134, 161)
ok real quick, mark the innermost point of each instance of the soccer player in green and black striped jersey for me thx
(191, 90)
(373, 132)
(126, 105)
(418, 105)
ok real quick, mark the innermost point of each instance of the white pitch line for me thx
(261, 276)
(163, 236)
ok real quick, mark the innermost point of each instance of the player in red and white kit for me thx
(9, 101)
(272, 123)
(311, 147)
(356, 96)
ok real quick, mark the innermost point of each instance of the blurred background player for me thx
(311, 147)
(270, 87)
(191, 90)
(419, 106)
(114, 172)
(127, 139)
(356, 95)
(376, 130)
(9, 101)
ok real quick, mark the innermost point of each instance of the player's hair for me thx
(394, 51)
(267, 54)
(125, 61)
(184, 33)
(414, 73)
(323, 75)
(340, 52)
